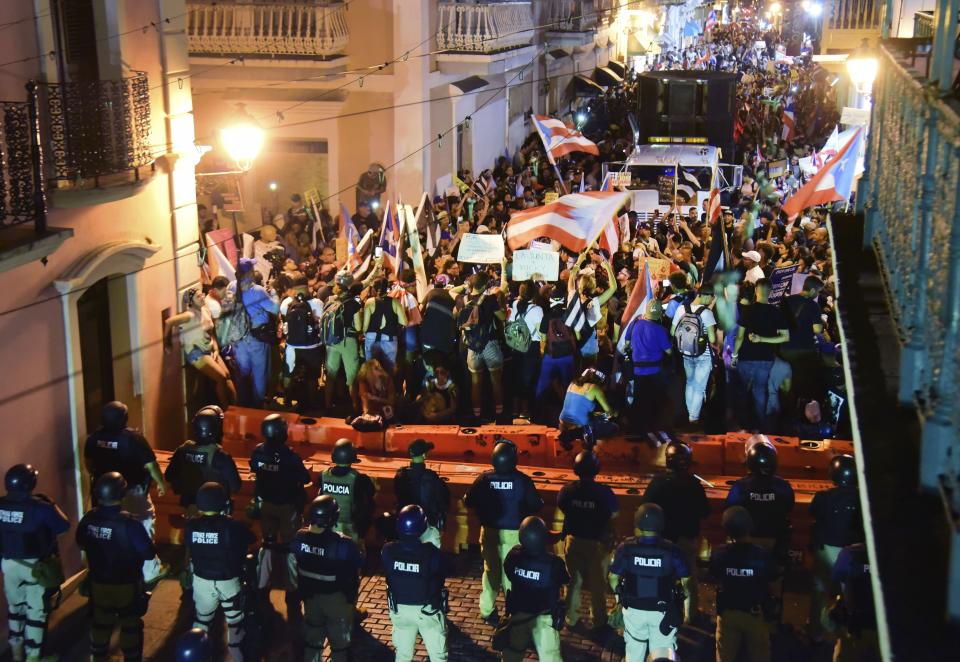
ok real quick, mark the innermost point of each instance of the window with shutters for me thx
(77, 39)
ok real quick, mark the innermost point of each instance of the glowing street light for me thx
(242, 138)
(812, 8)
(863, 71)
(775, 8)
(272, 186)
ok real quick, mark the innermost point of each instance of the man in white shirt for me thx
(751, 265)
(694, 331)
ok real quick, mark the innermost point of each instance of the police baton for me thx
(704, 481)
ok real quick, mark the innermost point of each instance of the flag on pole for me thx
(711, 21)
(639, 297)
(390, 239)
(217, 257)
(832, 182)
(715, 261)
(606, 182)
(789, 129)
(361, 260)
(713, 206)
(560, 139)
(433, 231)
(575, 220)
(408, 221)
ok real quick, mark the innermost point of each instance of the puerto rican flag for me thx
(639, 298)
(713, 206)
(574, 220)
(349, 230)
(789, 129)
(560, 139)
(833, 182)
(711, 21)
(390, 240)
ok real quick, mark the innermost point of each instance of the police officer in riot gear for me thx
(324, 567)
(501, 498)
(280, 495)
(744, 573)
(422, 487)
(685, 505)
(588, 510)
(218, 546)
(415, 574)
(29, 526)
(202, 460)
(116, 546)
(194, 646)
(533, 599)
(767, 497)
(116, 447)
(837, 523)
(854, 612)
(645, 573)
(352, 490)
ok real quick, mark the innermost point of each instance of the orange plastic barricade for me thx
(244, 422)
(796, 458)
(325, 432)
(445, 438)
(531, 442)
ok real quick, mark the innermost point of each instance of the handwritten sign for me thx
(550, 196)
(481, 249)
(659, 269)
(777, 168)
(536, 265)
(665, 188)
(854, 116)
(780, 281)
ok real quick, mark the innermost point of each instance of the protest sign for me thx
(481, 249)
(536, 265)
(777, 168)
(542, 246)
(665, 186)
(621, 179)
(659, 269)
(780, 281)
(550, 196)
(796, 283)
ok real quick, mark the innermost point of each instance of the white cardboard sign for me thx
(536, 265)
(481, 249)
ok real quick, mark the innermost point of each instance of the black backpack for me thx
(475, 332)
(303, 330)
(561, 340)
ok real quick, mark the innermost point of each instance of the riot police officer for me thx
(854, 613)
(501, 498)
(218, 546)
(837, 523)
(588, 510)
(767, 497)
(744, 573)
(194, 646)
(685, 505)
(533, 599)
(325, 568)
(279, 497)
(422, 487)
(646, 574)
(415, 594)
(199, 461)
(116, 546)
(352, 490)
(29, 526)
(116, 447)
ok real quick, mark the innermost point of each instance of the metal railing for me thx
(22, 191)
(572, 15)
(855, 15)
(267, 29)
(484, 28)
(97, 128)
(923, 24)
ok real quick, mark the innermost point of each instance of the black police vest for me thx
(22, 533)
(534, 588)
(765, 501)
(649, 577)
(213, 550)
(322, 563)
(424, 491)
(114, 451)
(270, 465)
(677, 493)
(586, 515)
(408, 568)
(197, 466)
(110, 555)
(858, 593)
(842, 524)
(743, 569)
(506, 492)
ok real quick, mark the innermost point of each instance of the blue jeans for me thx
(697, 369)
(754, 376)
(253, 359)
(384, 350)
(560, 368)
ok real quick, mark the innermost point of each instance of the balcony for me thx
(923, 24)
(267, 30)
(485, 38)
(571, 22)
(97, 132)
(849, 22)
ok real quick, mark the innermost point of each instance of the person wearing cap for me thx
(340, 324)
(645, 245)
(589, 509)
(415, 573)
(252, 352)
(645, 575)
(417, 485)
(744, 573)
(371, 185)
(353, 491)
(648, 344)
(558, 346)
(751, 267)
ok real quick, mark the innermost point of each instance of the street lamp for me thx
(242, 138)
(863, 70)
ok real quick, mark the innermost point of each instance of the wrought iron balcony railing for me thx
(573, 15)
(98, 128)
(484, 28)
(21, 185)
(855, 15)
(267, 29)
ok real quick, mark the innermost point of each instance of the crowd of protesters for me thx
(707, 353)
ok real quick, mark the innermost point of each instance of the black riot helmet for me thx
(678, 456)
(343, 452)
(114, 416)
(21, 479)
(324, 511)
(504, 458)
(762, 459)
(110, 488)
(737, 522)
(586, 465)
(411, 521)
(212, 498)
(274, 429)
(843, 470)
(534, 535)
(649, 518)
(194, 646)
(208, 425)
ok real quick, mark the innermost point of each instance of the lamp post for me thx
(862, 68)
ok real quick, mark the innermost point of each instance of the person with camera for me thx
(252, 352)
(29, 526)
(116, 546)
